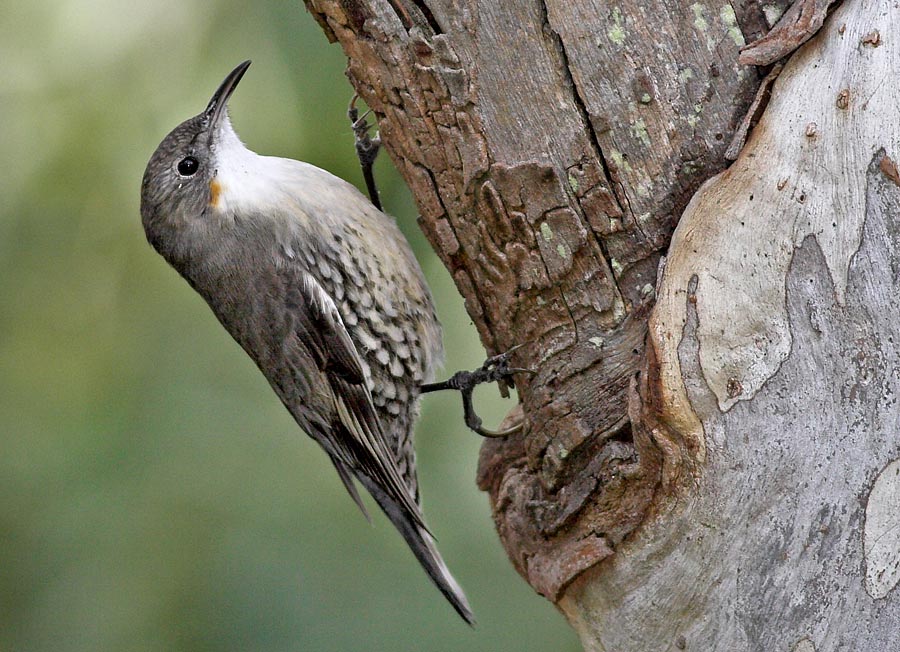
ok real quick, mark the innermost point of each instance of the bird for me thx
(320, 289)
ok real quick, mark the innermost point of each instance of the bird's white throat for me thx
(244, 182)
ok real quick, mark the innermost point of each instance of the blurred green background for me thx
(154, 494)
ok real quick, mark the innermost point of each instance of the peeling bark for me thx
(798, 24)
(551, 147)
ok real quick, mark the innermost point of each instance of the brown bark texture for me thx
(551, 146)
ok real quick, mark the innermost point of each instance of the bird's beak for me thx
(216, 107)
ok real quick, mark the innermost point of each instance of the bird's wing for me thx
(356, 439)
(346, 476)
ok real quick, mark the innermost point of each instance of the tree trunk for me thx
(710, 463)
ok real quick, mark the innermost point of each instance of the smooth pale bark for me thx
(705, 484)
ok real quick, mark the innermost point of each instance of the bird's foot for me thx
(494, 369)
(366, 147)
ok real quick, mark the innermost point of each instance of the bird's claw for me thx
(496, 368)
(367, 147)
(497, 434)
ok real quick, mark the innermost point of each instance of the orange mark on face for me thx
(215, 190)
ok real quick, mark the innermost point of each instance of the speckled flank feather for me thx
(362, 262)
(322, 291)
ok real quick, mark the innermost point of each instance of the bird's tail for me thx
(423, 546)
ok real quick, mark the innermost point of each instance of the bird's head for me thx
(180, 182)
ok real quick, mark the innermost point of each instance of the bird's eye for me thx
(187, 166)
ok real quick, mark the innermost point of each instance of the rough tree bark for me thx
(712, 462)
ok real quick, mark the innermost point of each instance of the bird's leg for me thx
(366, 147)
(494, 369)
